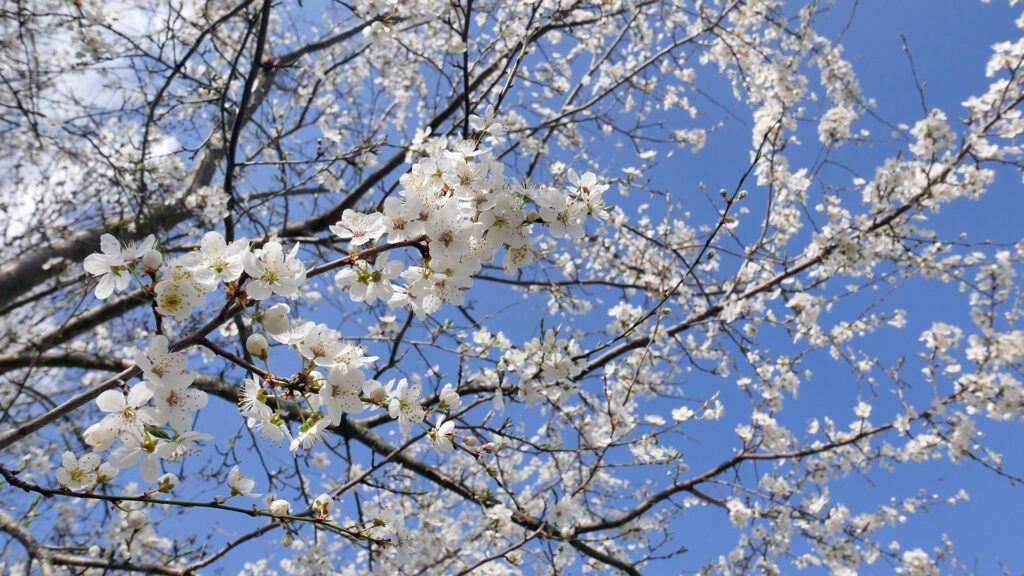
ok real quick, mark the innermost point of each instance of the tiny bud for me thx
(138, 518)
(469, 441)
(275, 319)
(152, 259)
(489, 447)
(375, 391)
(95, 550)
(287, 540)
(167, 482)
(257, 345)
(105, 473)
(280, 508)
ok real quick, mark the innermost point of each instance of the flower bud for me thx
(375, 391)
(489, 447)
(449, 398)
(167, 482)
(257, 345)
(275, 319)
(469, 441)
(138, 518)
(95, 550)
(105, 473)
(323, 505)
(152, 259)
(287, 540)
(280, 508)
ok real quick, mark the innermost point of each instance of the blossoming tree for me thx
(417, 287)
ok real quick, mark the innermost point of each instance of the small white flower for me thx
(127, 417)
(176, 298)
(152, 259)
(916, 562)
(341, 392)
(78, 473)
(241, 485)
(405, 405)
(310, 434)
(360, 228)
(223, 259)
(441, 435)
(272, 272)
(175, 406)
(489, 123)
(251, 400)
(128, 454)
(563, 514)
(448, 398)
(181, 445)
(105, 473)
(375, 390)
(323, 505)
(370, 283)
(113, 262)
(738, 512)
(161, 366)
(99, 436)
(320, 344)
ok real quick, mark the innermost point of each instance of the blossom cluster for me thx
(458, 200)
(146, 433)
(455, 198)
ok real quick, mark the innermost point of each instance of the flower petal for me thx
(111, 401)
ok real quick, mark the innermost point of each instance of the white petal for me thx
(105, 287)
(125, 456)
(259, 290)
(96, 264)
(109, 245)
(90, 460)
(139, 394)
(180, 420)
(150, 468)
(111, 401)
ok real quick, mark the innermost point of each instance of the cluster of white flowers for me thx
(185, 280)
(545, 366)
(150, 433)
(457, 197)
(404, 540)
(345, 388)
